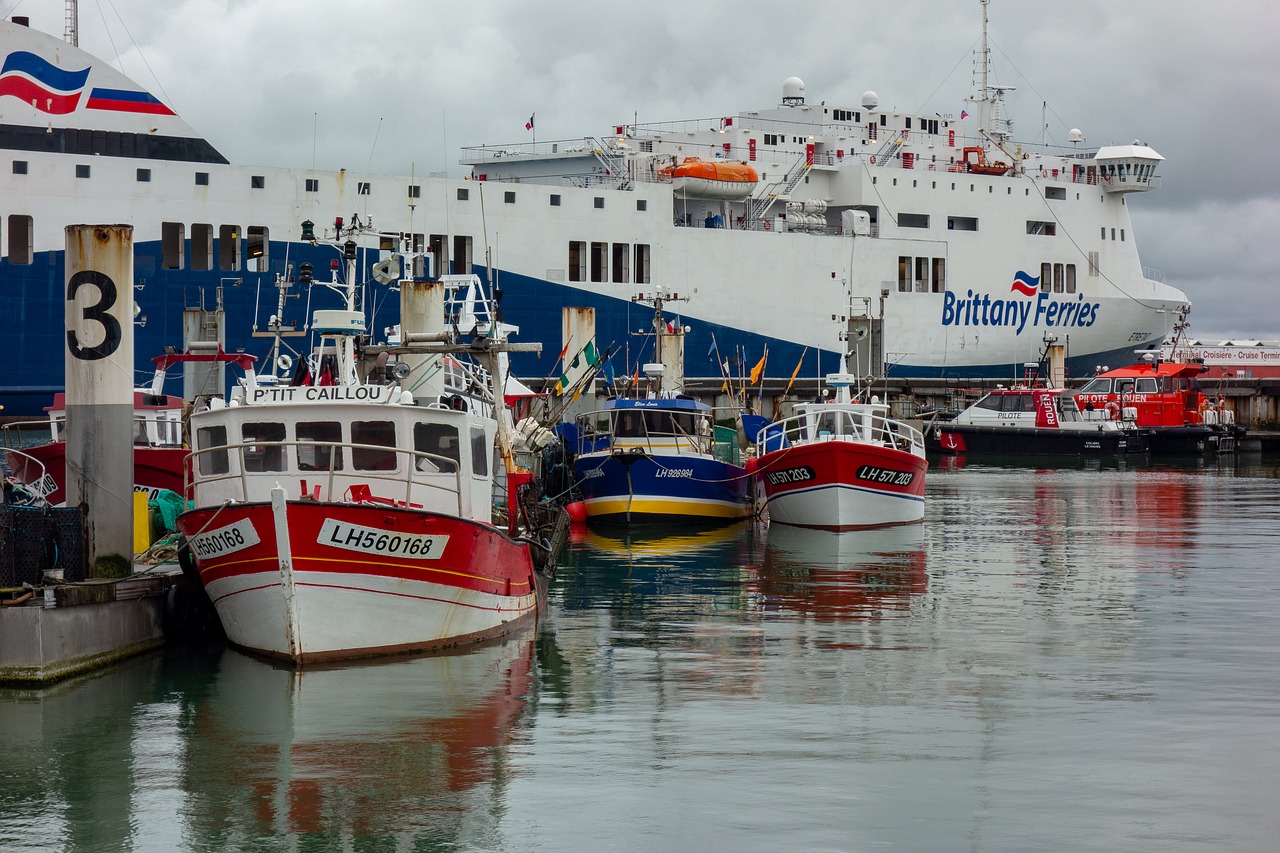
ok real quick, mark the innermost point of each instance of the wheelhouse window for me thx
(480, 449)
(1100, 385)
(381, 456)
(324, 454)
(212, 442)
(265, 453)
(439, 440)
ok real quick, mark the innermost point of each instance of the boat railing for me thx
(27, 433)
(717, 441)
(869, 428)
(257, 460)
(28, 474)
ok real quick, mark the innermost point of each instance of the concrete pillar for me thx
(99, 367)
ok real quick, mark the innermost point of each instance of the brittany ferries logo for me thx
(1040, 309)
(56, 91)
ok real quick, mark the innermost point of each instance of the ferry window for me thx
(19, 167)
(1046, 278)
(599, 202)
(1113, 234)
(1059, 279)
(922, 275)
(20, 239)
(201, 246)
(202, 179)
(461, 255)
(313, 185)
(437, 243)
(642, 263)
(599, 256)
(904, 274)
(212, 461)
(415, 191)
(257, 182)
(884, 121)
(440, 440)
(642, 204)
(1047, 229)
(1058, 193)
(144, 176)
(1094, 261)
(363, 188)
(264, 454)
(577, 260)
(258, 245)
(913, 220)
(82, 171)
(1121, 235)
(961, 223)
(463, 194)
(480, 450)
(172, 240)
(939, 275)
(554, 201)
(1071, 278)
(229, 248)
(621, 257)
(1104, 232)
(324, 454)
(379, 433)
(508, 197)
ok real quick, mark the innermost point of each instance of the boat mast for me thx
(72, 31)
(986, 51)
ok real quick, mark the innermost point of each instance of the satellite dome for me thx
(870, 100)
(793, 91)
(1074, 135)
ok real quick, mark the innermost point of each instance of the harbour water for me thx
(1073, 658)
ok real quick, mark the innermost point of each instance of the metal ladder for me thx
(760, 204)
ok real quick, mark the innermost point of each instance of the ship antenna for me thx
(986, 51)
(72, 32)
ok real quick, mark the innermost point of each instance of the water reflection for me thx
(858, 574)
(413, 750)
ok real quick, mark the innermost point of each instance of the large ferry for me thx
(777, 224)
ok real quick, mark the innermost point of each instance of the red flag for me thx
(528, 125)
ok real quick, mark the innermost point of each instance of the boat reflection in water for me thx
(408, 752)
(857, 574)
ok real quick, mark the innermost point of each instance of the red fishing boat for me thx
(841, 465)
(348, 516)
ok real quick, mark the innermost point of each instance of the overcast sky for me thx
(401, 84)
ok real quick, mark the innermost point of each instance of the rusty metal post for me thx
(422, 319)
(100, 381)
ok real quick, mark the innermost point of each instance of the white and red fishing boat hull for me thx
(310, 581)
(842, 485)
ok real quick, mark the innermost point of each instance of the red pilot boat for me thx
(1167, 404)
(841, 465)
(346, 516)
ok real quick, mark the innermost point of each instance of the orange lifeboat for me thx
(694, 178)
(980, 165)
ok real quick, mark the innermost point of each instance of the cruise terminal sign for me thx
(1041, 310)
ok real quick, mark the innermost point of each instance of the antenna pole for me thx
(986, 51)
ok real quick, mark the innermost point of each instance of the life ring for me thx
(873, 159)
(1113, 410)
(765, 224)
(1044, 173)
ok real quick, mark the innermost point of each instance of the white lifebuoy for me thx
(1113, 410)
(284, 362)
(873, 159)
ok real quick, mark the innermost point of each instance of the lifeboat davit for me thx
(694, 178)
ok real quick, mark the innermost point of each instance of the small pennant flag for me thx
(528, 125)
(759, 368)
(964, 114)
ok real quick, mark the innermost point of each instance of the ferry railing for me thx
(347, 477)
